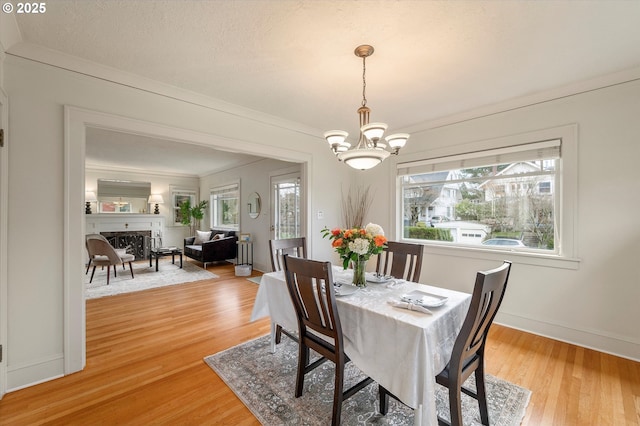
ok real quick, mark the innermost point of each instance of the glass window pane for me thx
(509, 204)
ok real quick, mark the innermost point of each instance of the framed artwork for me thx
(244, 237)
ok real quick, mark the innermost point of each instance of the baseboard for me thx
(22, 376)
(602, 343)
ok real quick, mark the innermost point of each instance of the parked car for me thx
(511, 242)
(438, 219)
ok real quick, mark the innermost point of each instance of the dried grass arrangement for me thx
(355, 205)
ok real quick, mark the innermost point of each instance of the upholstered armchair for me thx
(211, 246)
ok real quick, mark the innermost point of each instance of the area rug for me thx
(265, 383)
(145, 277)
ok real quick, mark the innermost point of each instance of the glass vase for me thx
(359, 267)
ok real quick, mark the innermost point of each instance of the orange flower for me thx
(379, 240)
(348, 233)
(335, 232)
(337, 243)
(363, 232)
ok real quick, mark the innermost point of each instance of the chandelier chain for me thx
(364, 81)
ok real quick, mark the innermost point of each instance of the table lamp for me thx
(156, 199)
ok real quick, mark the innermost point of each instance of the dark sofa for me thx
(213, 250)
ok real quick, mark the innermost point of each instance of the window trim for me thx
(567, 197)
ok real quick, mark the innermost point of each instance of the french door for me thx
(286, 206)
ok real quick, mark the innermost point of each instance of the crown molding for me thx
(576, 88)
(55, 58)
(112, 168)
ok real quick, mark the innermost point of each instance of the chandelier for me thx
(370, 150)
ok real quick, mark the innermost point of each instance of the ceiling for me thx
(293, 59)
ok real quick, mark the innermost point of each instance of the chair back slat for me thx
(310, 285)
(401, 260)
(294, 247)
(488, 293)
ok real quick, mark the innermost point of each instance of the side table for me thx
(164, 251)
(244, 258)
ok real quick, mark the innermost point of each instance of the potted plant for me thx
(191, 216)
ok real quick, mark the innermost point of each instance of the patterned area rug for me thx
(145, 277)
(265, 382)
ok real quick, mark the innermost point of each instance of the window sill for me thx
(527, 258)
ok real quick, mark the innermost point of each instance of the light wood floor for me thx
(145, 351)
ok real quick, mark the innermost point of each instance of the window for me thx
(224, 201)
(179, 196)
(492, 198)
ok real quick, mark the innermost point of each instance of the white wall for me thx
(594, 305)
(160, 184)
(597, 304)
(36, 290)
(253, 178)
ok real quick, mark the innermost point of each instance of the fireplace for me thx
(136, 242)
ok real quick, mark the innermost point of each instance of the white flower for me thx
(374, 229)
(359, 246)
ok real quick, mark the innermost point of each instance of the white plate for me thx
(378, 279)
(345, 290)
(425, 299)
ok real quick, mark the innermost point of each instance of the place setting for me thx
(419, 301)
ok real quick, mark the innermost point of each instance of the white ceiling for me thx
(294, 58)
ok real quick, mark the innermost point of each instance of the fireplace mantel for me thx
(121, 222)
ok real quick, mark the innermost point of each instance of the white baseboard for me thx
(602, 343)
(19, 377)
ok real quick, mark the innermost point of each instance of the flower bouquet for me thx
(357, 245)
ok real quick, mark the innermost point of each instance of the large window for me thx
(224, 201)
(505, 197)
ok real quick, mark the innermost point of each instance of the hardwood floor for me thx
(145, 351)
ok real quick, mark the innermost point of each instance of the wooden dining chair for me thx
(401, 260)
(310, 285)
(468, 350)
(102, 253)
(278, 248)
(292, 246)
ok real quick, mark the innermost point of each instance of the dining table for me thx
(401, 349)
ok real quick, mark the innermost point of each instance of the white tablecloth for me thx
(400, 349)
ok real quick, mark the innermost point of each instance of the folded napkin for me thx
(409, 306)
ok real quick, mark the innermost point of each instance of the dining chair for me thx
(468, 350)
(401, 260)
(310, 285)
(102, 253)
(278, 248)
(292, 246)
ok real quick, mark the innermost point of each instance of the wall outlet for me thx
(320, 215)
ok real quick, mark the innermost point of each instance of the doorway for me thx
(286, 206)
(77, 120)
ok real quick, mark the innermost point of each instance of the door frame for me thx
(4, 228)
(76, 120)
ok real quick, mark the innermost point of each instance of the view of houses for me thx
(513, 201)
